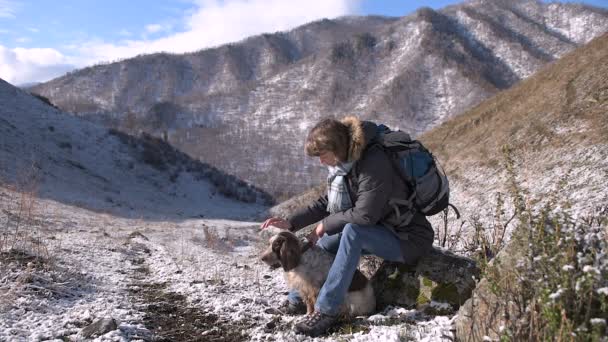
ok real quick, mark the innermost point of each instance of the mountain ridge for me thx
(411, 72)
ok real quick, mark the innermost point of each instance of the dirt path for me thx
(168, 315)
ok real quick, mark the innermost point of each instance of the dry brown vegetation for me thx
(571, 93)
(20, 231)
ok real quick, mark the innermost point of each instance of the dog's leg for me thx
(313, 299)
(310, 306)
(309, 300)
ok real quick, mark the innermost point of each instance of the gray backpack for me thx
(428, 184)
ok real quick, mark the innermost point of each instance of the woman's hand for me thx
(316, 234)
(276, 222)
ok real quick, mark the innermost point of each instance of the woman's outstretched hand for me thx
(276, 222)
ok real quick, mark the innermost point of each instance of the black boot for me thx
(315, 324)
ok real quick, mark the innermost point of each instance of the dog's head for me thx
(284, 250)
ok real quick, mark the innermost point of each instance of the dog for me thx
(306, 269)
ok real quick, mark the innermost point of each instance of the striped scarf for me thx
(338, 198)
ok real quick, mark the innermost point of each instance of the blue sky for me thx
(43, 39)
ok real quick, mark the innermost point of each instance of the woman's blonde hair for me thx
(328, 135)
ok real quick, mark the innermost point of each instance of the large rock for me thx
(482, 316)
(440, 276)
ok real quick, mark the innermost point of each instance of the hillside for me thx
(556, 126)
(245, 107)
(50, 154)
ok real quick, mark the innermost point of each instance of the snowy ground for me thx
(194, 279)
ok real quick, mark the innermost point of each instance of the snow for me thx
(556, 294)
(567, 268)
(94, 265)
(591, 269)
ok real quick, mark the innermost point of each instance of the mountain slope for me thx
(555, 126)
(55, 155)
(245, 107)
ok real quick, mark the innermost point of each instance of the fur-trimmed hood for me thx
(361, 134)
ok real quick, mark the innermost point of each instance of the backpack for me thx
(419, 170)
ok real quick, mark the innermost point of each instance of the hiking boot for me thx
(315, 324)
(288, 308)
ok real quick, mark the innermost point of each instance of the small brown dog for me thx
(306, 269)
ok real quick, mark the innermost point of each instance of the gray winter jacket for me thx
(372, 183)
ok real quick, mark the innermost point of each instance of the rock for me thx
(483, 314)
(137, 234)
(99, 327)
(440, 276)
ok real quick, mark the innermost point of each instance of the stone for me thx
(99, 327)
(440, 276)
(485, 312)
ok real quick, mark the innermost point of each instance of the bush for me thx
(342, 52)
(551, 282)
(44, 99)
(364, 42)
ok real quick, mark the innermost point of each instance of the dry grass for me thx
(26, 266)
(21, 234)
(571, 93)
(212, 240)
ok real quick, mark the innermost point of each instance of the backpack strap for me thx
(408, 214)
(455, 210)
(396, 168)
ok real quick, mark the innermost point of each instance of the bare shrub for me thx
(447, 236)
(554, 281)
(212, 240)
(20, 234)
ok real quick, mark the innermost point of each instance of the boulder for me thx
(482, 316)
(440, 276)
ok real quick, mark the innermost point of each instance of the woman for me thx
(355, 216)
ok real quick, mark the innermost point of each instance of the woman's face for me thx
(328, 158)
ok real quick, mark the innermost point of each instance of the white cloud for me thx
(23, 40)
(20, 65)
(211, 23)
(216, 22)
(125, 33)
(8, 8)
(153, 28)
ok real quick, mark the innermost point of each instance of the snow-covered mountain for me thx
(55, 155)
(245, 107)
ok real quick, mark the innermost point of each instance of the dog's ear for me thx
(290, 253)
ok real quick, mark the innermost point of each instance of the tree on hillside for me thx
(162, 117)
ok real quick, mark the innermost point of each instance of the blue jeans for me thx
(348, 246)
